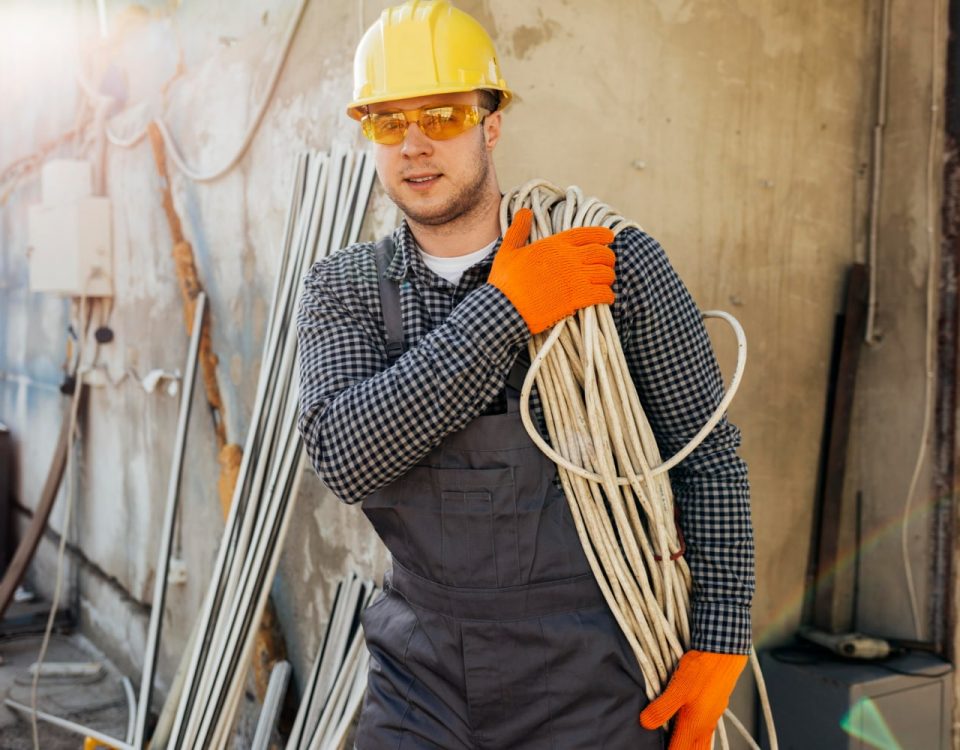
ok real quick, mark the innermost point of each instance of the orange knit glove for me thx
(700, 690)
(556, 276)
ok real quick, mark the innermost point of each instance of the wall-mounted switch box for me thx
(70, 234)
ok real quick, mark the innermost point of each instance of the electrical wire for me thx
(74, 407)
(929, 365)
(174, 150)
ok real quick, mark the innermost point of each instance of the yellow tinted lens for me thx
(437, 123)
(388, 128)
(442, 123)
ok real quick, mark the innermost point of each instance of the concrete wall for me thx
(736, 132)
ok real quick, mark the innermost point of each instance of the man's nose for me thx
(415, 143)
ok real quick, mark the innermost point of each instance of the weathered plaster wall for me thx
(891, 404)
(736, 132)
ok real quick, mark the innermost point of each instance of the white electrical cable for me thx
(599, 431)
(666, 466)
(74, 408)
(174, 150)
(929, 365)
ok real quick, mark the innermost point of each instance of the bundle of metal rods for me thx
(334, 691)
(609, 463)
(329, 200)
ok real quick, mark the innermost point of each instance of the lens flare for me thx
(865, 722)
(785, 611)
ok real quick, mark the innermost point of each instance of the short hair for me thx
(489, 99)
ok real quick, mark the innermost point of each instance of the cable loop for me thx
(615, 482)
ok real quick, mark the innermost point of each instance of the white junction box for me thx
(71, 251)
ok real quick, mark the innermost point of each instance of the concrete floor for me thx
(97, 702)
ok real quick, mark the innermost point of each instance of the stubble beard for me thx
(465, 201)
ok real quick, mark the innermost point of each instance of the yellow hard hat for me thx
(420, 48)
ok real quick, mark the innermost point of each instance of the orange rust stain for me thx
(230, 457)
(190, 287)
(268, 648)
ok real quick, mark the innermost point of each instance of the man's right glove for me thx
(556, 276)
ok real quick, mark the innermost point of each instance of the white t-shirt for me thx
(452, 269)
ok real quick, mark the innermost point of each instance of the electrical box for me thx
(820, 701)
(70, 234)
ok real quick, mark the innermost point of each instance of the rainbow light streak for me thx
(865, 722)
(791, 603)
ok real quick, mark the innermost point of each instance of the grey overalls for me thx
(493, 632)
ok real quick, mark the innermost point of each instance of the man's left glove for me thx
(699, 690)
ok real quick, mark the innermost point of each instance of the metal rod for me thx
(366, 189)
(354, 701)
(268, 574)
(238, 613)
(330, 210)
(333, 655)
(212, 683)
(277, 497)
(310, 687)
(100, 737)
(131, 709)
(340, 693)
(170, 514)
(187, 700)
(279, 678)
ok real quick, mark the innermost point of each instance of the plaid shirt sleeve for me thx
(679, 383)
(365, 424)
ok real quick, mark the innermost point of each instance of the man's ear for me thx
(491, 129)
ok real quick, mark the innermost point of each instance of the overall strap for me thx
(393, 319)
(389, 300)
(518, 372)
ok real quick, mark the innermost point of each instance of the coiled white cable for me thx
(609, 462)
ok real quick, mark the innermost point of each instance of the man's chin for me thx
(430, 220)
(428, 215)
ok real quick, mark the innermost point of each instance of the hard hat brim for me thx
(356, 109)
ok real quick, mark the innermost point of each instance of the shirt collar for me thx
(407, 261)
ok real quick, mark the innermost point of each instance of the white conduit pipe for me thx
(169, 519)
(610, 466)
(335, 186)
(131, 710)
(272, 702)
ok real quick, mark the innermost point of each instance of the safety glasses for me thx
(437, 123)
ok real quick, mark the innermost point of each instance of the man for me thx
(492, 632)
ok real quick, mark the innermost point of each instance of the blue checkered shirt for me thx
(365, 424)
